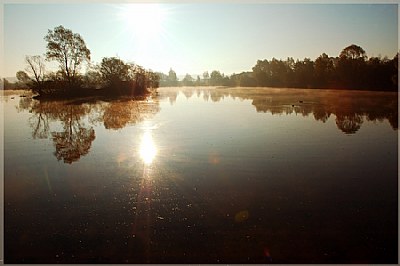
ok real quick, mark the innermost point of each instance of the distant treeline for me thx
(350, 70)
(112, 77)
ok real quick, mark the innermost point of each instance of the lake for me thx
(203, 175)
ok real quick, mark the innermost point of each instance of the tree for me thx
(304, 73)
(206, 77)
(172, 78)
(353, 52)
(262, 73)
(36, 67)
(351, 67)
(141, 80)
(395, 72)
(377, 74)
(279, 71)
(114, 70)
(68, 49)
(216, 78)
(7, 85)
(23, 78)
(247, 80)
(163, 79)
(198, 81)
(324, 68)
(92, 79)
(188, 80)
(154, 79)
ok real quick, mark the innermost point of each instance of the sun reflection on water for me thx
(148, 150)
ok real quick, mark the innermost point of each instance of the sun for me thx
(143, 20)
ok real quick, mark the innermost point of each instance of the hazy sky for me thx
(195, 37)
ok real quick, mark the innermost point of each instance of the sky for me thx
(197, 37)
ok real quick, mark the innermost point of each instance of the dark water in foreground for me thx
(203, 176)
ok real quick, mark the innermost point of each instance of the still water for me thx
(203, 175)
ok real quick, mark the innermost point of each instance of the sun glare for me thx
(147, 150)
(143, 20)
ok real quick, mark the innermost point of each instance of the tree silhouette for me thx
(24, 79)
(122, 78)
(113, 70)
(36, 67)
(324, 69)
(153, 79)
(141, 79)
(395, 71)
(351, 66)
(68, 49)
(353, 52)
(350, 70)
(304, 73)
(262, 73)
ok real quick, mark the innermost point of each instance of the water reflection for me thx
(349, 107)
(73, 139)
(350, 123)
(148, 150)
(120, 113)
(72, 143)
(203, 182)
(71, 124)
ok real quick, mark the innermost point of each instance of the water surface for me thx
(203, 175)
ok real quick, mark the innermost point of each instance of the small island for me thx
(111, 78)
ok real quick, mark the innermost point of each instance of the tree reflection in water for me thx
(349, 107)
(349, 124)
(75, 138)
(118, 114)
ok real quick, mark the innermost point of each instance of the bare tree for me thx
(36, 67)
